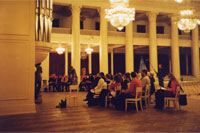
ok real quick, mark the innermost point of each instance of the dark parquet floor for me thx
(98, 119)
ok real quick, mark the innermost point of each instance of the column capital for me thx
(76, 8)
(152, 16)
(173, 18)
(101, 10)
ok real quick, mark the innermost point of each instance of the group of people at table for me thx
(106, 85)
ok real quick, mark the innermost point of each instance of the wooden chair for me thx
(174, 99)
(108, 97)
(73, 87)
(146, 96)
(135, 100)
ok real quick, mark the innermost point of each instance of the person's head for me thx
(127, 76)
(108, 76)
(172, 78)
(98, 75)
(160, 66)
(101, 74)
(133, 74)
(144, 73)
(117, 79)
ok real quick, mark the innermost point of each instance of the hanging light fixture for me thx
(120, 15)
(179, 1)
(187, 20)
(60, 50)
(88, 50)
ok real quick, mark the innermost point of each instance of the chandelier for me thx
(187, 20)
(120, 15)
(179, 1)
(88, 50)
(60, 50)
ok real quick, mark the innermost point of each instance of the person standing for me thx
(161, 75)
(38, 80)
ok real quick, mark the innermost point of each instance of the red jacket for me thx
(133, 85)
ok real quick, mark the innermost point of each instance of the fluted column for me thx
(112, 61)
(129, 48)
(66, 61)
(195, 52)
(152, 42)
(45, 68)
(90, 63)
(175, 48)
(76, 61)
(103, 48)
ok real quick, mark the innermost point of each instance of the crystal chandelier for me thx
(60, 50)
(179, 1)
(88, 50)
(187, 20)
(120, 15)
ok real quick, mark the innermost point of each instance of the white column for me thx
(112, 61)
(195, 52)
(152, 42)
(103, 48)
(175, 48)
(66, 61)
(17, 56)
(45, 69)
(90, 63)
(76, 61)
(129, 48)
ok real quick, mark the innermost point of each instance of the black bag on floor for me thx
(182, 98)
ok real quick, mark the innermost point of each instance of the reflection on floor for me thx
(98, 119)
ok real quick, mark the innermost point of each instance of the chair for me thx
(146, 96)
(135, 100)
(74, 97)
(174, 99)
(108, 98)
(73, 87)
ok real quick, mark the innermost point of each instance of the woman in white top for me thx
(101, 84)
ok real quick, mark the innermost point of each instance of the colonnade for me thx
(129, 55)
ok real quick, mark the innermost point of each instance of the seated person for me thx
(52, 82)
(108, 78)
(119, 101)
(116, 82)
(101, 84)
(82, 84)
(169, 92)
(127, 79)
(90, 82)
(64, 81)
(145, 81)
(59, 83)
(97, 90)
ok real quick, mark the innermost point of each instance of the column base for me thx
(16, 107)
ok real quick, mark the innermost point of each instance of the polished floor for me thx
(97, 119)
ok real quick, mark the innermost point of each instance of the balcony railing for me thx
(185, 37)
(90, 32)
(167, 36)
(142, 35)
(61, 30)
(115, 33)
